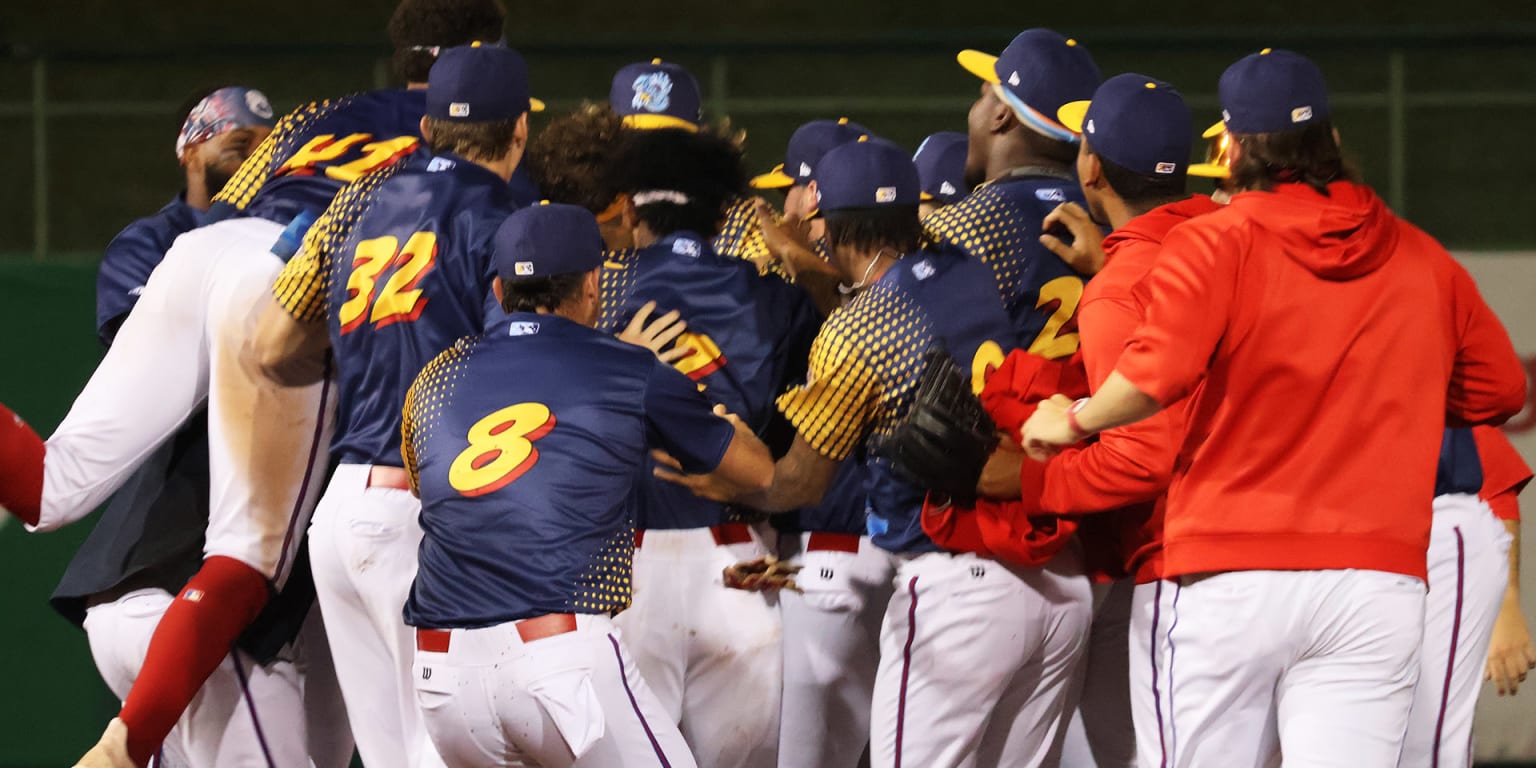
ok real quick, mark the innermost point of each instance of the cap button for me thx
(1265, 52)
(864, 137)
(842, 121)
(655, 61)
(543, 202)
(475, 44)
(1151, 86)
(1071, 41)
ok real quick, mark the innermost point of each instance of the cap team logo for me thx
(653, 92)
(522, 268)
(1301, 114)
(257, 103)
(885, 194)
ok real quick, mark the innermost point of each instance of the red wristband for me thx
(1072, 418)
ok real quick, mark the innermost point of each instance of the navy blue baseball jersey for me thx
(399, 267)
(866, 362)
(749, 335)
(131, 257)
(525, 444)
(1460, 469)
(999, 225)
(321, 147)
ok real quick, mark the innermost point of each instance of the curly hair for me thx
(571, 157)
(419, 25)
(704, 167)
(1308, 155)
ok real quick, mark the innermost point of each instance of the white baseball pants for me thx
(711, 655)
(831, 646)
(244, 715)
(979, 663)
(182, 345)
(575, 699)
(1468, 572)
(1317, 666)
(362, 548)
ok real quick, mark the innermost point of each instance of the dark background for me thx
(1436, 99)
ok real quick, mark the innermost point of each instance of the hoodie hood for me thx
(1153, 226)
(1344, 235)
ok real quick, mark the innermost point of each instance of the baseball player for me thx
(747, 338)
(940, 162)
(1020, 160)
(1298, 599)
(174, 345)
(149, 540)
(978, 660)
(525, 484)
(1469, 563)
(1505, 474)
(396, 270)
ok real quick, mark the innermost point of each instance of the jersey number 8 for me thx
(400, 301)
(500, 449)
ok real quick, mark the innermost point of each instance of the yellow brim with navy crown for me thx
(982, 65)
(774, 179)
(1214, 131)
(654, 122)
(1072, 114)
(535, 105)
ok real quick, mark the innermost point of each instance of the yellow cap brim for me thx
(774, 179)
(1209, 171)
(1214, 131)
(535, 105)
(925, 197)
(653, 122)
(1072, 114)
(982, 65)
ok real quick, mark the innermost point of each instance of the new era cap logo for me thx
(805, 169)
(1226, 116)
(946, 188)
(523, 329)
(1166, 167)
(1090, 126)
(522, 268)
(1013, 79)
(458, 109)
(1301, 114)
(885, 194)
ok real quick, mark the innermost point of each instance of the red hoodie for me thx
(1131, 466)
(1505, 473)
(1334, 341)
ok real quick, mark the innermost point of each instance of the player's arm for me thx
(831, 414)
(1511, 655)
(291, 337)
(1487, 379)
(702, 439)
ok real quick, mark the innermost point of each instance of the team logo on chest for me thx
(653, 92)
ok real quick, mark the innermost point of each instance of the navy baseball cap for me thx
(479, 83)
(657, 94)
(940, 162)
(872, 173)
(1272, 90)
(545, 240)
(1135, 122)
(222, 111)
(1035, 75)
(806, 147)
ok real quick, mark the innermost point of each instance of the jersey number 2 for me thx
(1065, 293)
(400, 301)
(500, 449)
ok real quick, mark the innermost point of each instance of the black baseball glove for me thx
(947, 435)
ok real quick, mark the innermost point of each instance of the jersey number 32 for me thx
(400, 300)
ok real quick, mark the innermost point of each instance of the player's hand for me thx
(1049, 430)
(709, 486)
(1000, 477)
(782, 233)
(656, 334)
(111, 751)
(1510, 656)
(1085, 254)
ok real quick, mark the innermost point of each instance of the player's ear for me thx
(426, 129)
(498, 291)
(1089, 170)
(631, 215)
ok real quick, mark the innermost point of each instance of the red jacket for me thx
(1130, 467)
(1334, 342)
(1505, 473)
